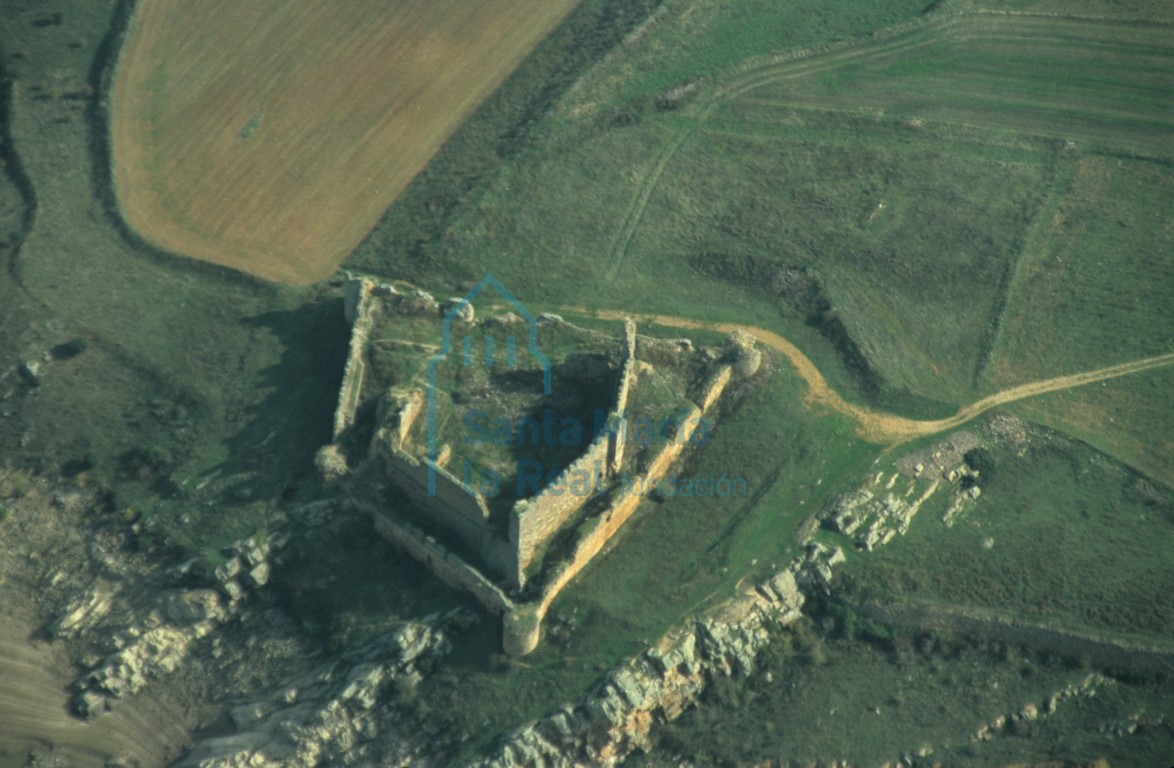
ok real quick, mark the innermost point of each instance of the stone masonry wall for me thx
(360, 305)
(535, 520)
(627, 373)
(455, 506)
(450, 568)
(715, 387)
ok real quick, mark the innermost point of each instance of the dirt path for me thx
(876, 426)
(921, 33)
(790, 64)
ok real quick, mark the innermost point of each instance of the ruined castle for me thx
(502, 566)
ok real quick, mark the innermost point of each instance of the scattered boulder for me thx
(228, 569)
(83, 613)
(233, 590)
(258, 577)
(331, 464)
(193, 606)
(30, 371)
(459, 310)
(504, 320)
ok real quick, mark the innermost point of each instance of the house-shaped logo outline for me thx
(446, 346)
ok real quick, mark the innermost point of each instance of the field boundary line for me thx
(757, 72)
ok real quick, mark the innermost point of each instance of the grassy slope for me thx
(188, 370)
(914, 231)
(1129, 419)
(866, 705)
(1076, 539)
(1094, 285)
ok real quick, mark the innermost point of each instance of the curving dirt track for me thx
(899, 41)
(876, 426)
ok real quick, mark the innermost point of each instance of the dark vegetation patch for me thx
(409, 241)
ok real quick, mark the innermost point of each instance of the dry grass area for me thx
(270, 136)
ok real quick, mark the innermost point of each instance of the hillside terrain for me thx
(946, 224)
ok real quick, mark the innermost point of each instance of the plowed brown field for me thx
(270, 136)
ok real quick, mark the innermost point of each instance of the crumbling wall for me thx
(359, 305)
(453, 503)
(714, 387)
(448, 567)
(617, 422)
(536, 519)
(409, 410)
(628, 367)
(672, 448)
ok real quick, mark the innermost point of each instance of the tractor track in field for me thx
(803, 62)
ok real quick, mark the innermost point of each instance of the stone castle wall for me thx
(359, 305)
(628, 371)
(534, 521)
(459, 509)
(450, 568)
(612, 520)
(714, 388)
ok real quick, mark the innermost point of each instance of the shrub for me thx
(69, 349)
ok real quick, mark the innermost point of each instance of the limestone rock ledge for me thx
(616, 717)
(338, 714)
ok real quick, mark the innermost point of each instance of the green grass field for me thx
(1129, 419)
(1093, 287)
(870, 702)
(1061, 535)
(874, 167)
(903, 206)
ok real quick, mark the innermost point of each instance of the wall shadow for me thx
(274, 445)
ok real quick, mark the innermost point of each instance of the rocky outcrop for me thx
(873, 516)
(158, 641)
(617, 716)
(338, 714)
(83, 613)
